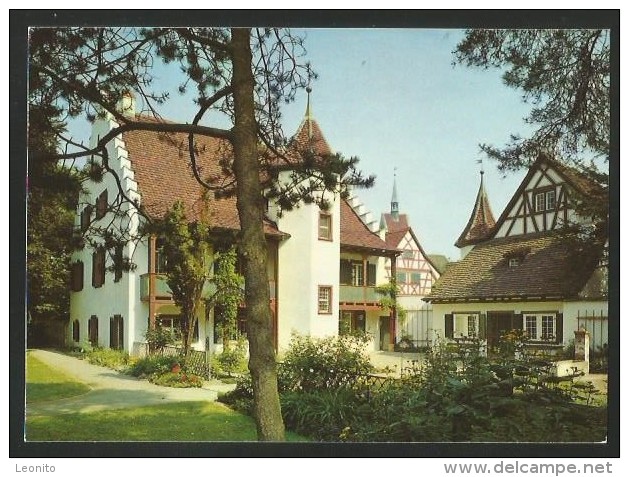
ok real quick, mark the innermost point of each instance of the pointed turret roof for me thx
(309, 135)
(395, 206)
(481, 221)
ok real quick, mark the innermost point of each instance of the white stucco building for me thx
(309, 249)
(522, 271)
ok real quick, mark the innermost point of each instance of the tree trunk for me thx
(266, 406)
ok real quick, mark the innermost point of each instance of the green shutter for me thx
(371, 274)
(346, 272)
(518, 323)
(482, 326)
(559, 328)
(449, 325)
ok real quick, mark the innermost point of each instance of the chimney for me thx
(126, 104)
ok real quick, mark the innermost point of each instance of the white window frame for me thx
(465, 317)
(551, 196)
(472, 326)
(540, 202)
(358, 273)
(530, 323)
(540, 318)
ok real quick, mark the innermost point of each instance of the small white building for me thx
(308, 248)
(522, 271)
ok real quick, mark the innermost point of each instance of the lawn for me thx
(46, 384)
(187, 421)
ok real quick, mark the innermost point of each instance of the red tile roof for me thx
(550, 268)
(162, 169)
(396, 229)
(309, 137)
(481, 223)
(355, 234)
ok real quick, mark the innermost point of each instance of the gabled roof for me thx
(575, 179)
(481, 223)
(396, 229)
(162, 169)
(355, 234)
(550, 267)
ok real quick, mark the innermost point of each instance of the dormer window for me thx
(516, 256)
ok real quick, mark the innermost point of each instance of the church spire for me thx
(309, 113)
(481, 222)
(395, 210)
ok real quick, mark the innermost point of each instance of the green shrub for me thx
(231, 361)
(158, 338)
(151, 365)
(323, 363)
(109, 358)
(323, 415)
(177, 380)
(241, 398)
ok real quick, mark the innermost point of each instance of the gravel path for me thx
(112, 390)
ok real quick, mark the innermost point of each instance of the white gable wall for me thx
(524, 218)
(112, 298)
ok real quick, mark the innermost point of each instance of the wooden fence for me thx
(596, 324)
(197, 362)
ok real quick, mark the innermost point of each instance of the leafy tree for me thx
(228, 295)
(187, 250)
(564, 74)
(241, 74)
(51, 202)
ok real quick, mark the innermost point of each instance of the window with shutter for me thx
(371, 274)
(358, 272)
(118, 263)
(101, 205)
(92, 329)
(86, 218)
(77, 276)
(449, 325)
(346, 272)
(76, 335)
(98, 268)
(116, 332)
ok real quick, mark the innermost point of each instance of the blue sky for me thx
(393, 98)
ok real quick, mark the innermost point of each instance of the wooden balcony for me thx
(155, 284)
(358, 294)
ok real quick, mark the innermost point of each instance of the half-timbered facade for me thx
(524, 271)
(414, 274)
